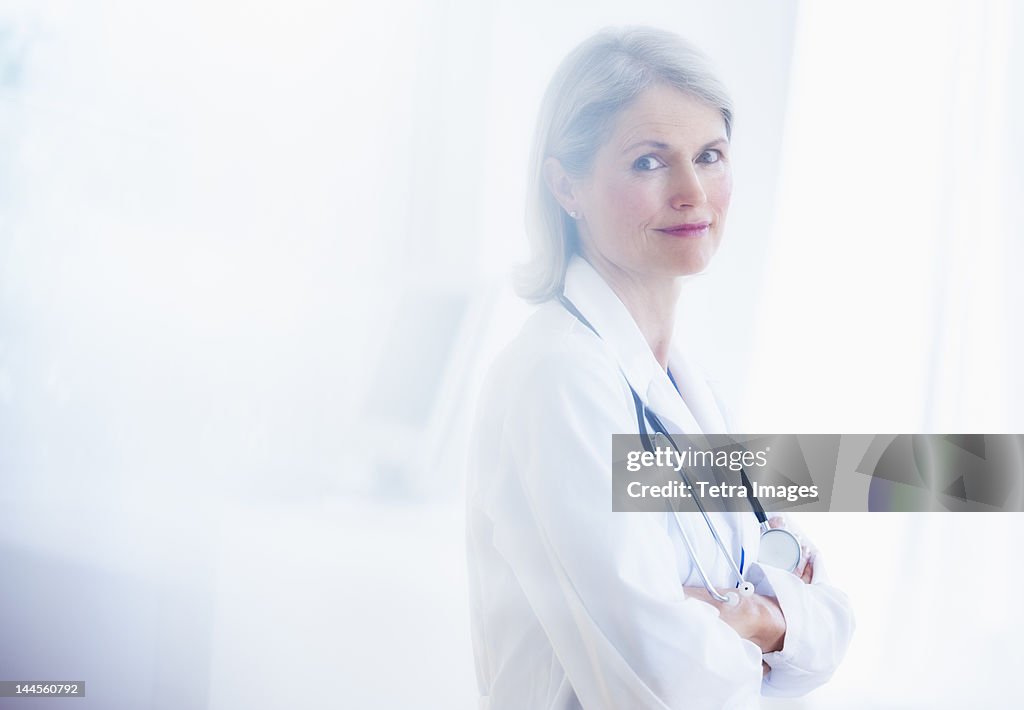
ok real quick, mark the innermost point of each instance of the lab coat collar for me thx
(697, 393)
(696, 411)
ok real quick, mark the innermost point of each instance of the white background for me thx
(253, 264)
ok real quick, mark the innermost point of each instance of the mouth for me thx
(691, 229)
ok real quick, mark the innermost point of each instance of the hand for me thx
(756, 618)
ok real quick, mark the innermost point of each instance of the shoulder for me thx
(555, 361)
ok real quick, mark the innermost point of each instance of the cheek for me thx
(630, 203)
(719, 192)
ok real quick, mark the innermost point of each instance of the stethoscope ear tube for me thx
(745, 589)
(696, 561)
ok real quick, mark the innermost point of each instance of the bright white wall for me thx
(890, 299)
(209, 215)
(891, 304)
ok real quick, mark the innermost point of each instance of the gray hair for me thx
(598, 79)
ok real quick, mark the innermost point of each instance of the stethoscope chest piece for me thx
(779, 548)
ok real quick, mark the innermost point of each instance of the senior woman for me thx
(573, 605)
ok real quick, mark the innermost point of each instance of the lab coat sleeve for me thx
(605, 585)
(819, 628)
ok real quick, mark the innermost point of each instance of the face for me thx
(655, 201)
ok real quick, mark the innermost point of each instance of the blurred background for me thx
(254, 263)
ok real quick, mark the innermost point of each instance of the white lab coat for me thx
(573, 605)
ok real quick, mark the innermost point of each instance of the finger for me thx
(808, 573)
(776, 522)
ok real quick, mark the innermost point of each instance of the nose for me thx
(687, 189)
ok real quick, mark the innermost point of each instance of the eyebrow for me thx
(665, 146)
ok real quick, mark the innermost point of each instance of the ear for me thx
(561, 185)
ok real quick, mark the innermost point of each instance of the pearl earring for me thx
(574, 214)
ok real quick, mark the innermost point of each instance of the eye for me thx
(710, 156)
(648, 163)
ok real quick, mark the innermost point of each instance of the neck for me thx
(650, 300)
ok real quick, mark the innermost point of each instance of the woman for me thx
(574, 605)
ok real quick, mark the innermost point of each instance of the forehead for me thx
(668, 115)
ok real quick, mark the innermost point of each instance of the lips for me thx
(690, 229)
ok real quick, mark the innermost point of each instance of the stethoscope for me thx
(779, 547)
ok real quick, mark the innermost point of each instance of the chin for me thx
(691, 269)
(689, 264)
(690, 257)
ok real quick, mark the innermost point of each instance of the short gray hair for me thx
(598, 79)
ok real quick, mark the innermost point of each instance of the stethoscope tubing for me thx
(645, 415)
(707, 521)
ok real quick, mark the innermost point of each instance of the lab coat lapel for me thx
(700, 400)
(616, 327)
(663, 399)
(694, 413)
